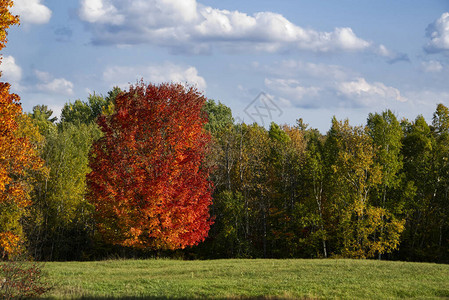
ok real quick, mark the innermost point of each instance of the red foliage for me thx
(148, 181)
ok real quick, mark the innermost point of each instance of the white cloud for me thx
(345, 39)
(10, 70)
(368, 93)
(43, 76)
(292, 89)
(31, 11)
(100, 11)
(168, 72)
(49, 84)
(150, 15)
(310, 85)
(42, 81)
(438, 32)
(431, 66)
(188, 26)
(390, 55)
(382, 50)
(273, 31)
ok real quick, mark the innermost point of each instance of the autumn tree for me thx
(19, 162)
(356, 174)
(148, 182)
(18, 155)
(6, 20)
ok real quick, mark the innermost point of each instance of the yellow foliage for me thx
(18, 158)
(6, 20)
(373, 231)
(9, 244)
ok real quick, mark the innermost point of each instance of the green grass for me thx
(247, 279)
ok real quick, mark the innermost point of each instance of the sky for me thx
(267, 60)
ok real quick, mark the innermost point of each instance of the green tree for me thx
(418, 152)
(62, 218)
(77, 112)
(219, 117)
(242, 165)
(316, 173)
(42, 118)
(386, 134)
(88, 111)
(356, 174)
(228, 231)
(440, 235)
(291, 229)
(222, 155)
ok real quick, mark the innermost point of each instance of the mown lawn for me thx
(247, 279)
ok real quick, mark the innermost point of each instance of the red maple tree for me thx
(148, 182)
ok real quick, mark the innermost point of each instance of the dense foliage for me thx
(378, 190)
(148, 182)
(374, 191)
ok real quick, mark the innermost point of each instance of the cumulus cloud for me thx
(49, 84)
(41, 81)
(99, 11)
(438, 33)
(168, 72)
(310, 85)
(31, 11)
(368, 93)
(185, 25)
(10, 70)
(431, 66)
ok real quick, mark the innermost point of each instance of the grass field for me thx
(247, 279)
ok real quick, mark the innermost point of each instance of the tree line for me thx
(373, 191)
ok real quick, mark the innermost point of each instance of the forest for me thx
(288, 191)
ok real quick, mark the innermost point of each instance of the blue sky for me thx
(313, 59)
